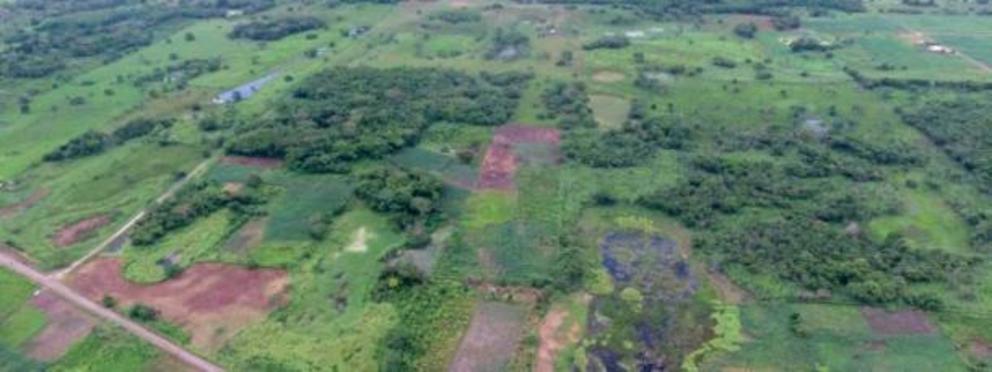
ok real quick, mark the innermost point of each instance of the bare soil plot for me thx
(211, 301)
(249, 161)
(510, 147)
(554, 337)
(980, 349)
(608, 76)
(79, 231)
(359, 242)
(65, 325)
(898, 322)
(492, 338)
(13, 209)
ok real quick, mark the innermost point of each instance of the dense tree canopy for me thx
(346, 114)
(275, 29)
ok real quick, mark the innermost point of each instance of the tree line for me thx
(93, 142)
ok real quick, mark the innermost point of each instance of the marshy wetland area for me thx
(495, 185)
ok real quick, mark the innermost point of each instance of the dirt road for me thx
(76, 299)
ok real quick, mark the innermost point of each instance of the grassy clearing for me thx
(330, 320)
(304, 198)
(116, 184)
(108, 349)
(198, 242)
(831, 337)
(927, 221)
(488, 208)
(610, 112)
(19, 319)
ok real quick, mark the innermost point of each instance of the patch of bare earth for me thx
(608, 76)
(501, 161)
(254, 162)
(359, 242)
(211, 301)
(16, 208)
(492, 338)
(65, 325)
(980, 349)
(79, 231)
(901, 322)
(554, 337)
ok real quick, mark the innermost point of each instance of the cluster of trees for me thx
(93, 142)
(343, 114)
(179, 74)
(635, 142)
(508, 44)
(961, 128)
(819, 256)
(412, 198)
(456, 16)
(275, 29)
(746, 30)
(113, 29)
(195, 201)
(810, 44)
(717, 186)
(916, 84)
(568, 103)
(608, 42)
(638, 138)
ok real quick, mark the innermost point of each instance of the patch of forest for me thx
(344, 115)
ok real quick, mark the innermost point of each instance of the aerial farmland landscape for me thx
(495, 185)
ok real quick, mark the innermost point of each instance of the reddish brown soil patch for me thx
(76, 232)
(65, 326)
(981, 349)
(498, 167)
(13, 209)
(501, 161)
(491, 339)
(897, 323)
(211, 301)
(554, 338)
(252, 161)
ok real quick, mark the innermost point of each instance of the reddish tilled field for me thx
(78, 231)
(501, 160)
(253, 161)
(211, 301)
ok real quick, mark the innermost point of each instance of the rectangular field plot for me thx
(838, 337)
(304, 199)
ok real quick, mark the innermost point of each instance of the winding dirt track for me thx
(77, 299)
